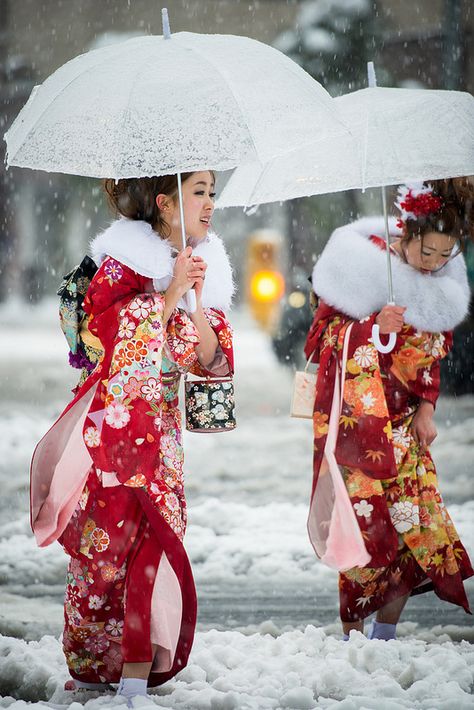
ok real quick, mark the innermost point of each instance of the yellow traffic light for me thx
(267, 286)
(265, 282)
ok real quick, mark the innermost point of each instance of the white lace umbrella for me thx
(160, 105)
(155, 105)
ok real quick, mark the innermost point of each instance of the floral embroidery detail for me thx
(365, 355)
(114, 627)
(425, 518)
(98, 643)
(92, 437)
(363, 509)
(172, 502)
(123, 358)
(113, 659)
(405, 515)
(152, 390)
(100, 539)
(96, 602)
(117, 415)
(126, 328)
(401, 436)
(225, 337)
(113, 270)
(132, 388)
(136, 350)
(108, 572)
(140, 309)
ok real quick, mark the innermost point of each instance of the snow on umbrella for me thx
(154, 106)
(397, 135)
(157, 105)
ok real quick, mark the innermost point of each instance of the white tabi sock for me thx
(384, 632)
(130, 687)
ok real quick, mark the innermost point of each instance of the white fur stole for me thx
(351, 275)
(135, 244)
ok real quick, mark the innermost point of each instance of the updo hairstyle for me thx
(455, 217)
(135, 198)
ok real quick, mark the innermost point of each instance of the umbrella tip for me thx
(372, 79)
(165, 21)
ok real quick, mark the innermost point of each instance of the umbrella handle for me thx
(388, 347)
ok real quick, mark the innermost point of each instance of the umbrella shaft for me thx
(387, 239)
(181, 210)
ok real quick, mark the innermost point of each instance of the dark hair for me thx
(456, 216)
(135, 198)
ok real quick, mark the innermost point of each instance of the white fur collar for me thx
(351, 275)
(135, 244)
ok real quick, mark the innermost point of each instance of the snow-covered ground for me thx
(268, 633)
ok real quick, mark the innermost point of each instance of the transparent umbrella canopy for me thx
(397, 135)
(158, 105)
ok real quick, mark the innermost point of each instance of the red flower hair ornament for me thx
(416, 200)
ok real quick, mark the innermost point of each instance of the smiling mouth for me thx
(205, 220)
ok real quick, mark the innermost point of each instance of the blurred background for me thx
(46, 220)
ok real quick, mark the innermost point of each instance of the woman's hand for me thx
(201, 266)
(187, 270)
(422, 426)
(390, 319)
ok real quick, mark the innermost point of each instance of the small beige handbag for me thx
(304, 392)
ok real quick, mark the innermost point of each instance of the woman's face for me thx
(198, 205)
(430, 252)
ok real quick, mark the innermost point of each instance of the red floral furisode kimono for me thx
(107, 479)
(411, 542)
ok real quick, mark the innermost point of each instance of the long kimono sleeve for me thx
(122, 430)
(415, 361)
(182, 333)
(364, 437)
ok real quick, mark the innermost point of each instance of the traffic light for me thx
(265, 282)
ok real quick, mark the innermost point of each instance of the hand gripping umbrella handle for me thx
(388, 347)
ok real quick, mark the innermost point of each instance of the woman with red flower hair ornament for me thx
(107, 479)
(377, 408)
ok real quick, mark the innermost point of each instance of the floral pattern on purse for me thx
(210, 405)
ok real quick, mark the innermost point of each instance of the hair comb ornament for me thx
(416, 200)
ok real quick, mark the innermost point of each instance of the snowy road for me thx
(255, 570)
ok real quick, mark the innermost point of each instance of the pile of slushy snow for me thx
(298, 669)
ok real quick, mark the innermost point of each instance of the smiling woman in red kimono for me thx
(383, 421)
(107, 479)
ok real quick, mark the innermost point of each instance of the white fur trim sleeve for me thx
(135, 244)
(351, 275)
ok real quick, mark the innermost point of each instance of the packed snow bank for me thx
(298, 669)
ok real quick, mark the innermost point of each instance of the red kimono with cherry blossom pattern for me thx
(114, 494)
